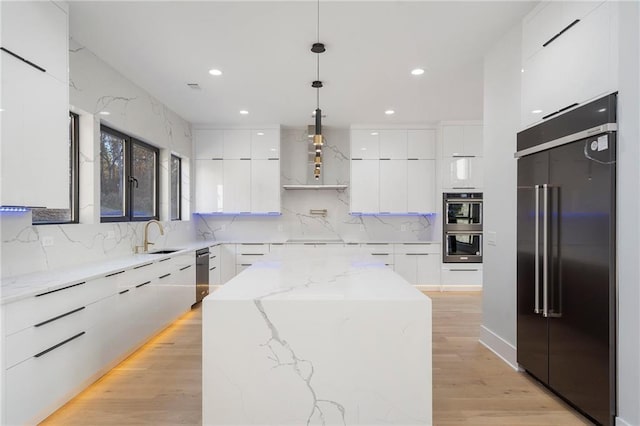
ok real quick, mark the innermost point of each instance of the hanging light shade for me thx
(317, 48)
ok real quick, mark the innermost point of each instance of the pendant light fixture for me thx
(317, 48)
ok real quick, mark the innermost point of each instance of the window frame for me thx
(171, 158)
(129, 142)
(74, 175)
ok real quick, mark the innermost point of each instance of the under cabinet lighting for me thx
(13, 209)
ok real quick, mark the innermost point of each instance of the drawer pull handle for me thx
(211, 269)
(142, 266)
(379, 254)
(560, 33)
(252, 254)
(64, 342)
(124, 291)
(39, 68)
(113, 274)
(464, 270)
(251, 244)
(417, 254)
(212, 257)
(164, 276)
(246, 264)
(40, 324)
(186, 267)
(143, 284)
(164, 260)
(60, 289)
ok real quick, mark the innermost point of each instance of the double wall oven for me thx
(462, 227)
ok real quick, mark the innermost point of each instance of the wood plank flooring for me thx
(161, 383)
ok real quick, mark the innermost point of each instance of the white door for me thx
(393, 144)
(421, 144)
(421, 178)
(237, 144)
(365, 144)
(209, 186)
(393, 186)
(265, 144)
(237, 186)
(265, 186)
(364, 186)
(209, 143)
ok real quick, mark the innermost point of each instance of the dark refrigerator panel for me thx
(532, 332)
(580, 360)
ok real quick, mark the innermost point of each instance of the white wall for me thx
(628, 210)
(94, 87)
(501, 122)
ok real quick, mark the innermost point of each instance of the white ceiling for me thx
(263, 49)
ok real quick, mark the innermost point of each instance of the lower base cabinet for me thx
(462, 276)
(85, 333)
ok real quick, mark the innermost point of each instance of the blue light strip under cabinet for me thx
(13, 209)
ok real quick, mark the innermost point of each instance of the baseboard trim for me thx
(620, 422)
(496, 344)
(443, 288)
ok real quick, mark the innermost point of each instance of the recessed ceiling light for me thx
(215, 72)
(244, 112)
(389, 112)
(522, 70)
(536, 111)
(260, 133)
(374, 133)
(104, 113)
(417, 71)
(600, 110)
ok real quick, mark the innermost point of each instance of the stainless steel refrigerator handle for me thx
(545, 251)
(536, 261)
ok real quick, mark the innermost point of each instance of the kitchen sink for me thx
(166, 251)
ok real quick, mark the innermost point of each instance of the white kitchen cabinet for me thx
(365, 144)
(421, 144)
(237, 144)
(419, 264)
(265, 144)
(548, 19)
(462, 276)
(227, 262)
(421, 178)
(382, 252)
(393, 144)
(365, 186)
(209, 186)
(214, 265)
(578, 66)
(208, 144)
(393, 186)
(236, 186)
(461, 140)
(265, 186)
(462, 173)
(38, 32)
(35, 131)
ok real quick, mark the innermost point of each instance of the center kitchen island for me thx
(317, 336)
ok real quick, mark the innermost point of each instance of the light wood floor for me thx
(161, 383)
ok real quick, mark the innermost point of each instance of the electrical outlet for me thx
(403, 228)
(47, 241)
(111, 235)
(492, 238)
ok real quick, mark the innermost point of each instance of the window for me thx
(128, 178)
(176, 187)
(68, 215)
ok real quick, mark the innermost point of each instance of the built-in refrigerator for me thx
(566, 294)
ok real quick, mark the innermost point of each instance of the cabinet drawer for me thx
(34, 340)
(249, 258)
(242, 267)
(46, 305)
(462, 276)
(378, 248)
(418, 248)
(386, 258)
(249, 248)
(36, 386)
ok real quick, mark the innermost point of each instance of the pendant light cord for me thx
(318, 58)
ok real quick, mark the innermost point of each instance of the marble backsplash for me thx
(296, 221)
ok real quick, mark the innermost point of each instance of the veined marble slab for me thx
(317, 337)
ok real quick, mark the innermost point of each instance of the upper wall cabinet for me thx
(462, 141)
(569, 56)
(237, 170)
(462, 150)
(35, 104)
(385, 176)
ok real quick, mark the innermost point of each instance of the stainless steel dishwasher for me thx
(202, 274)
